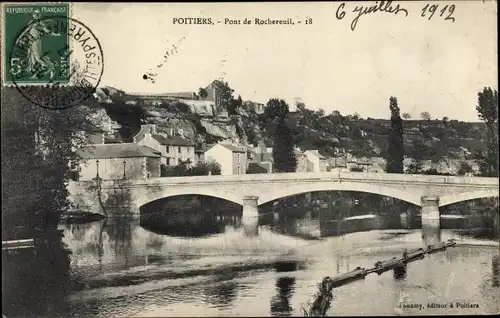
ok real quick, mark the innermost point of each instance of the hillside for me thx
(313, 130)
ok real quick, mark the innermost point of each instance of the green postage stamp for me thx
(34, 50)
(52, 59)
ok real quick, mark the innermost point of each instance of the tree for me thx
(202, 93)
(182, 169)
(487, 109)
(395, 151)
(465, 168)
(234, 105)
(39, 156)
(406, 116)
(419, 152)
(283, 142)
(425, 115)
(225, 94)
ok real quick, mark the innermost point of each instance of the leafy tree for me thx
(419, 152)
(205, 168)
(487, 109)
(182, 169)
(300, 106)
(425, 115)
(39, 156)
(465, 168)
(406, 116)
(225, 94)
(395, 151)
(283, 142)
(234, 105)
(202, 93)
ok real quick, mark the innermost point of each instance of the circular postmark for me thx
(56, 62)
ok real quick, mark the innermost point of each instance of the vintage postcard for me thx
(250, 159)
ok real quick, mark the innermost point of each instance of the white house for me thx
(310, 161)
(174, 149)
(119, 161)
(231, 158)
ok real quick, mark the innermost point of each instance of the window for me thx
(239, 158)
(239, 169)
(168, 161)
(179, 150)
(168, 149)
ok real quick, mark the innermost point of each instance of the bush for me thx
(183, 169)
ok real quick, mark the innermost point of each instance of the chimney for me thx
(170, 132)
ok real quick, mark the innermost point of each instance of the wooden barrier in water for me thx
(322, 299)
(18, 244)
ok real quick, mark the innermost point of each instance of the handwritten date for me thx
(446, 11)
(428, 11)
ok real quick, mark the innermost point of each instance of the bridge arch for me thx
(285, 191)
(148, 196)
(465, 196)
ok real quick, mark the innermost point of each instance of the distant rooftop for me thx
(173, 140)
(124, 150)
(233, 148)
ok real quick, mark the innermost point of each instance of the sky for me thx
(432, 65)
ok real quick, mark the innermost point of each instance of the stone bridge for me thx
(428, 191)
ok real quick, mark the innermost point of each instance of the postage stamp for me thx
(52, 59)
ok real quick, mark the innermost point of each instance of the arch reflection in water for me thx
(188, 224)
(189, 216)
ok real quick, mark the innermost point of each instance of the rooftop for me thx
(173, 140)
(234, 148)
(315, 153)
(123, 150)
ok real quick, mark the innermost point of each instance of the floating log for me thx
(357, 274)
(384, 266)
(414, 255)
(440, 247)
(18, 244)
(323, 298)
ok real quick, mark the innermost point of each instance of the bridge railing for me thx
(313, 176)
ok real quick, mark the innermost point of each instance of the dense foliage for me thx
(395, 151)
(38, 158)
(183, 169)
(487, 109)
(283, 141)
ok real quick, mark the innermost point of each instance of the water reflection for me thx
(221, 294)
(188, 224)
(120, 267)
(495, 264)
(280, 304)
(36, 281)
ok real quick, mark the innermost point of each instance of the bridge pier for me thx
(431, 228)
(250, 218)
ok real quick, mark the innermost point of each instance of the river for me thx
(119, 268)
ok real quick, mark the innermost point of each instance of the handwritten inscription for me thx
(428, 11)
(446, 12)
(150, 75)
